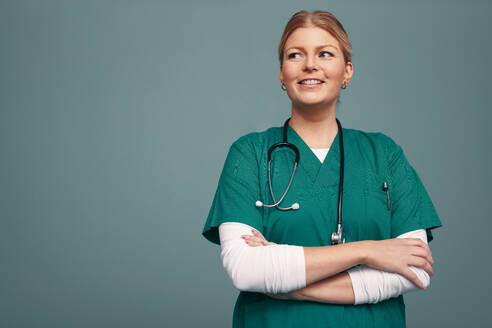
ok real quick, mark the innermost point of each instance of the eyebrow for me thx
(318, 47)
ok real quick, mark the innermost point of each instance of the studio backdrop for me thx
(116, 117)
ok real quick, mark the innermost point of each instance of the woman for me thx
(281, 257)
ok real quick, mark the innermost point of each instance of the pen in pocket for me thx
(385, 188)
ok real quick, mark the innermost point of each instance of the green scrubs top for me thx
(370, 160)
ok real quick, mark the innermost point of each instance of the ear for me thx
(349, 71)
(281, 76)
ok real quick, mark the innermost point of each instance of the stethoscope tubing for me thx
(286, 189)
(340, 184)
(336, 236)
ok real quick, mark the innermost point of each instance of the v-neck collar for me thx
(308, 160)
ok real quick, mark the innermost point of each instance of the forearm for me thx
(327, 261)
(271, 269)
(367, 285)
(373, 286)
(336, 289)
(281, 268)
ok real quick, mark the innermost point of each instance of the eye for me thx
(291, 55)
(327, 52)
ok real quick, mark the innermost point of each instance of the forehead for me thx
(310, 37)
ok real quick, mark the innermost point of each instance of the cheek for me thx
(290, 72)
(334, 72)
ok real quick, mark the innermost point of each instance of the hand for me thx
(256, 239)
(398, 254)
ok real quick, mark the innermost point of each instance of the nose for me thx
(310, 64)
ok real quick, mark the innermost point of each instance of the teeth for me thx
(311, 82)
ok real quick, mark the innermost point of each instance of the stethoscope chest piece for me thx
(338, 237)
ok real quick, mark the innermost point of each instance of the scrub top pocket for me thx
(378, 217)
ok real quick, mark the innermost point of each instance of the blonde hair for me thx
(321, 19)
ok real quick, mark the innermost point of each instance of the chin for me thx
(312, 100)
(303, 102)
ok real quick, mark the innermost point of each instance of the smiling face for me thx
(313, 53)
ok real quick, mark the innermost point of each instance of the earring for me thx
(283, 87)
(344, 85)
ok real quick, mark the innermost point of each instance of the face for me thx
(313, 53)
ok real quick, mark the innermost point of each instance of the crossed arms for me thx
(328, 274)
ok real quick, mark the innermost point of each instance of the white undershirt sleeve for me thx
(271, 269)
(372, 286)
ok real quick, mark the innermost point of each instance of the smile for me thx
(311, 83)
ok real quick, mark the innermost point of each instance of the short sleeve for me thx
(237, 192)
(411, 206)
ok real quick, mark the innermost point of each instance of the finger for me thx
(422, 263)
(424, 253)
(432, 270)
(429, 269)
(251, 238)
(258, 239)
(423, 244)
(257, 233)
(414, 241)
(249, 241)
(253, 244)
(429, 256)
(410, 275)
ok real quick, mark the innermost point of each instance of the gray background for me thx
(116, 116)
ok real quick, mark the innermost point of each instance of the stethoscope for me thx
(338, 236)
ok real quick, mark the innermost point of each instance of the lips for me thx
(313, 79)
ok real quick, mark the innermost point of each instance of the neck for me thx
(316, 126)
